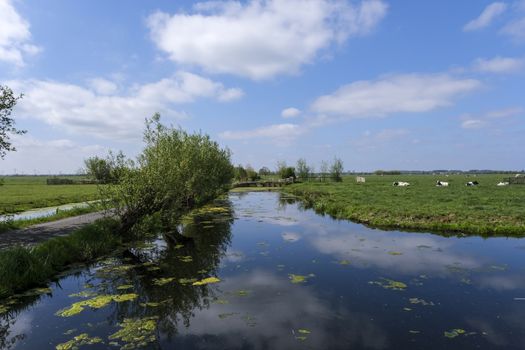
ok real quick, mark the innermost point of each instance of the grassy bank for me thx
(22, 268)
(20, 193)
(486, 209)
(19, 224)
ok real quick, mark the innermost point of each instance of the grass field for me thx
(485, 209)
(19, 193)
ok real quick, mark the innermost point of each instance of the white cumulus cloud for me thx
(486, 17)
(260, 39)
(499, 65)
(290, 112)
(473, 124)
(407, 93)
(99, 111)
(15, 37)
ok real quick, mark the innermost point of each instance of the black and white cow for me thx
(472, 183)
(441, 183)
(400, 184)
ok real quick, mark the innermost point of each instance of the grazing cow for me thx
(400, 184)
(472, 183)
(441, 183)
(360, 179)
(506, 183)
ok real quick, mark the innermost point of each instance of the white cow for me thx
(360, 179)
(400, 184)
(441, 183)
(506, 183)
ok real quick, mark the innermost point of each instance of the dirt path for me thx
(41, 232)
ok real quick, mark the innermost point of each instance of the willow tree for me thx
(175, 173)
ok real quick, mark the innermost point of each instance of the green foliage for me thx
(284, 171)
(8, 101)
(486, 210)
(303, 170)
(175, 172)
(264, 171)
(240, 173)
(22, 268)
(107, 170)
(387, 172)
(336, 170)
(252, 174)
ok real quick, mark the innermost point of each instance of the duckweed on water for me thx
(185, 281)
(205, 281)
(304, 331)
(343, 262)
(136, 333)
(186, 259)
(78, 341)
(299, 278)
(454, 332)
(395, 253)
(94, 303)
(125, 286)
(389, 284)
(162, 281)
(420, 301)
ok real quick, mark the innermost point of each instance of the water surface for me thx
(289, 279)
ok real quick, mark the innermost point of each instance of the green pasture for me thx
(19, 193)
(485, 209)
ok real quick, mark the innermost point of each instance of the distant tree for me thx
(264, 171)
(240, 173)
(8, 101)
(303, 170)
(284, 171)
(336, 170)
(251, 173)
(324, 170)
(108, 170)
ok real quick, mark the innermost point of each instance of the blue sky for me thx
(380, 84)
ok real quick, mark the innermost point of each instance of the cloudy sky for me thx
(380, 84)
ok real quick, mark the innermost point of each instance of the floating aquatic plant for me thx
(205, 281)
(78, 341)
(186, 259)
(162, 281)
(94, 303)
(125, 286)
(454, 332)
(299, 278)
(390, 284)
(420, 301)
(136, 333)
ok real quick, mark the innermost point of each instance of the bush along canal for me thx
(257, 270)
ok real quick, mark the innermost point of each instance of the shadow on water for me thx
(158, 273)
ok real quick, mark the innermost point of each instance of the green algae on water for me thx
(136, 333)
(205, 281)
(94, 303)
(162, 281)
(299, 278)
(78, 341)
(454, 332)
(389, 284)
